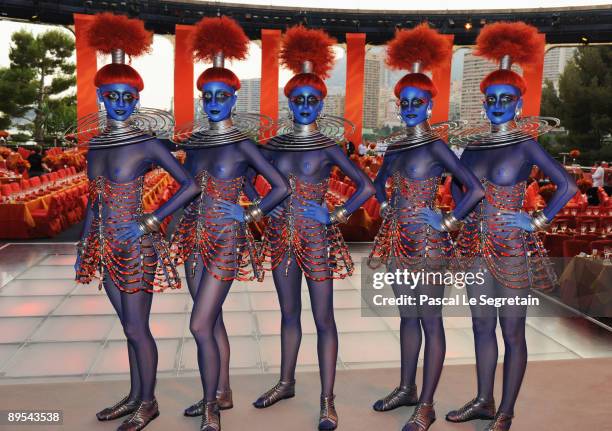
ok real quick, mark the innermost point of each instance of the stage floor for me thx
(52, 330)
(556, 395)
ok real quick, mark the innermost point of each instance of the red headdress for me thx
(507, 43)
(309, 54)
(214, 40)
(118, 35)
(418, 50)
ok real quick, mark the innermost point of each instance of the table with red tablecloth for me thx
(586, 285)
(17, 218)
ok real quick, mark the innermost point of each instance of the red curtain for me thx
(86, 68)
(442, 79)
(353, 98)
(268, 92)
(183, 76)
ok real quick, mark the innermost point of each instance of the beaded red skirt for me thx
(226, 247)
(402, 242)
(319, 250)
(142, 265)
(516, 258)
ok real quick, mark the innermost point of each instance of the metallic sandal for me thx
(400, 396)
(502, 422)
(145, 413)
(211, 417)
(424, 415)
(224, 398)
(328, 418)
(281, 391)
(122, 408)
(475, 409)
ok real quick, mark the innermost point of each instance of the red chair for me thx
(49, 222)
(15, 187)
(6, 190)
(54, 176)
(44, 178)
(35, 182)
(572, 247)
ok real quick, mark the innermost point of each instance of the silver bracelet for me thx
(81, 245)
(384, 207)
(149, 223)
(539, 221)
(339, 215)
(253, 213)
(450, 222)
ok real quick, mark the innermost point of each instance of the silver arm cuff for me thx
(539, 221)
(450, 222)
(339, 215)
(149, 223)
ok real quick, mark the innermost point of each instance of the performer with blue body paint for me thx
(120, 244)
(302, 236)
(413, 234)
(502, 154)
(213, 238)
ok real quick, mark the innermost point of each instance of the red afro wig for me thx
(518, 40)
(417, 80)
(218, 74)
(301, 44)
(421, 44)
(108, 32)
(219, 35)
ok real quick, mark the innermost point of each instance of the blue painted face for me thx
(119, 100)
(501, 103)
(414, 103)
(305, 102)
(219, 99)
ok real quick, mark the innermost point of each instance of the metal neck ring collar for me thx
(504, 127)
(304, 129)
(221, 125)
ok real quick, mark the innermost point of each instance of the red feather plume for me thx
(301, 44)
(108, 31)
(215, 34)
(422, 44)
(518, 40)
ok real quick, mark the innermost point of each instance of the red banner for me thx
(442, 79)
(355, 72)
(86, 68)
(183, 76)
(268, 92)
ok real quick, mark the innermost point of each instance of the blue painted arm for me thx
(380, 181)
(365, 188)
(188, 188)
(474, 190)
(249, 185)
(566, 186)
(280, 186)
